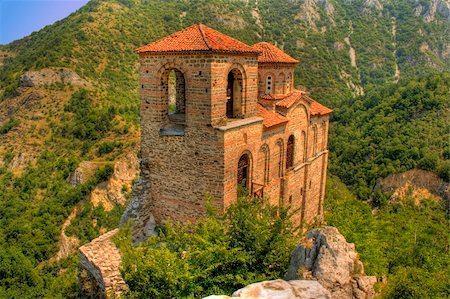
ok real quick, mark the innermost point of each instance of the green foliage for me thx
(391, 129)
(88, 123)
(9, 125)
(33, 207)
(251, 242)
(108, 147)
(401, 240)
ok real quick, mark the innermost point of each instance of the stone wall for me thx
(188, 159)
(101, 259)
(282, 75)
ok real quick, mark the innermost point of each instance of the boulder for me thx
(280, 289)
(326, 256)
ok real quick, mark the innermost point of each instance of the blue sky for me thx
(19, 18)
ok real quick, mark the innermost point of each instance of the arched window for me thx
(288, 84)
(234, 94)
(243, 175)
(324, 136)
(264, 163)
(303, 145)
(269, 85)
(290, 152)
(173, 85)
(281, 84)
(315, 137)
(280, 148)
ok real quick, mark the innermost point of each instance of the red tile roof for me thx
(270, 118)
(270, 53)
(198, 37)
(292, 98)
(319, 109)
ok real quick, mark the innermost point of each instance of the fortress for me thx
(216, 114)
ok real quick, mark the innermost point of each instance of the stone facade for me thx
(238, 120)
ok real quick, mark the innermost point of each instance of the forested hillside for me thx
(381, 65)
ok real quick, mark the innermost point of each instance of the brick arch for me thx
(249, 172)
(264, 163)
(302, 105)
(282, 79)
(280, 143)
(315, 139)
(239, 108)
(178, 115)
(324, 135)
(304, 147)
(265, 82)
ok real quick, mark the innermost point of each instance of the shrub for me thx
(9, 125)
(219, 254)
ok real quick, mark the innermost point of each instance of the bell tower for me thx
(191, 82)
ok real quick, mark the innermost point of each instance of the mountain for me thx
(68, 96)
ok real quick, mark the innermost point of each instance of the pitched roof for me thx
(290, 99)
(319, 109)
(270, 118)
(270, 53)
(198, 37)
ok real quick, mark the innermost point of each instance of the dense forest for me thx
(391, 115)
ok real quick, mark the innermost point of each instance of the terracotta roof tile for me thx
(197, 37)
(272, 97)
(270, 118)
(270, 53)
(290, 99)
(319, 109)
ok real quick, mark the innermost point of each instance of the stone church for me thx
(217, 114)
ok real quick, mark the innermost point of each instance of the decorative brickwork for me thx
(240, 111)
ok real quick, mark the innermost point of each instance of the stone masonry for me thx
(238, 120)
(101, 259)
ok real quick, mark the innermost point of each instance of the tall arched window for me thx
(264, 161)
(281, 84)
(303, 145)
(324, 136)
(173, 85)
(288, 84)
(280, 148)
(243, 174)
(315, 137)
(234, 94)
(290, 152)
(269, 85)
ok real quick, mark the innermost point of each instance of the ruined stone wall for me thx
(282, 78)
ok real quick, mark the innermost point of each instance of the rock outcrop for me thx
(139, 208)
(416, 183)
(280, 289)
(83, 173)
(49, 76)
(326, 256)
(111, 192)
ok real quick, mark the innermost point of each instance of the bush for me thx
(107, 147)
(9, 125)
(251, 242)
